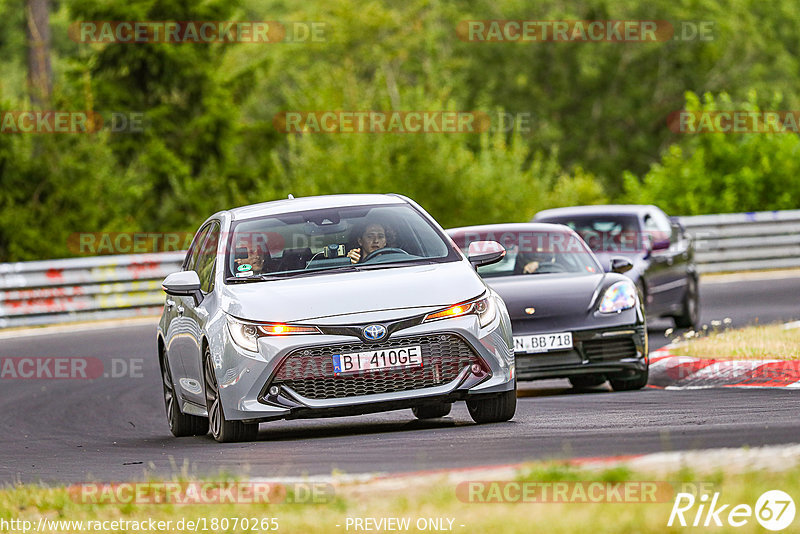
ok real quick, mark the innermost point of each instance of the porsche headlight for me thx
(484, 307)
(246, 334)
(620, 296)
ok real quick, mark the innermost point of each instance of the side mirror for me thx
(620, 264)
(183, 284)
(485, 253)
(661, 244)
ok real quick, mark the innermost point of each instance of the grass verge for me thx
(768, 342)
(434, 500)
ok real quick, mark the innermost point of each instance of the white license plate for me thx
(373, 360)
(543, 342)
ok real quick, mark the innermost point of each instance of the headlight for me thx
(483, 307)
(246, 334)
(620, 296)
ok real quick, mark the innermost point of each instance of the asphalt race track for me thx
(114, 429)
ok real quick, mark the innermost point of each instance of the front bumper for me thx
(617, 351)
(246, 378)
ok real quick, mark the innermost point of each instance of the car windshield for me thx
(604, 233)
(534, 252)
(347, 238)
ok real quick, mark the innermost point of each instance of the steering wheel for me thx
(551, 267)
(384, 250)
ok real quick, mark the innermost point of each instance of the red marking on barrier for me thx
(138, 269)
(55, 273)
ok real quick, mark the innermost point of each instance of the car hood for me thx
(377, 295)
(550, 295)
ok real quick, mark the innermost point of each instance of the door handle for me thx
(180, 311)
(170, 304)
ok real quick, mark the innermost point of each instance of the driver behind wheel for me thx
(370, 239)
(530, 263)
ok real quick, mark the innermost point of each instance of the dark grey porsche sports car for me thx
(570, 319)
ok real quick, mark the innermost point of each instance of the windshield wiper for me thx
(308, 272)
(406, 263)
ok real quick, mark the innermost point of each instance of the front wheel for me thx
(637, 381)
(222, 430)
(493, 408)
(180, 424)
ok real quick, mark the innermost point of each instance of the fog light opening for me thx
(274, 390)
(477, 369)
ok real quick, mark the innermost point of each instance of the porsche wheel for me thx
(637, 381)
(586, 381)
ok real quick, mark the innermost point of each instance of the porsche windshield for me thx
(531, 252)
(346, 238)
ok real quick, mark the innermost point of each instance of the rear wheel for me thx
(180, 424)
(494, 408)
(689, 311)
(586, 381)
(223, 430)
(637, 381)
(432, 411)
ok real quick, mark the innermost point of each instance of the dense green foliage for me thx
(722, 173)
(598, 114)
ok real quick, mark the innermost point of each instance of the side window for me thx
(206, 259)
(657, 227)
(191, 256)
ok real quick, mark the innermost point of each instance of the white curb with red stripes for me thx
(668, 371)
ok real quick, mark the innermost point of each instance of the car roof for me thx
(512, 227)
(290, 205)
(603, 209)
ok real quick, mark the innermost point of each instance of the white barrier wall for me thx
(53, 291)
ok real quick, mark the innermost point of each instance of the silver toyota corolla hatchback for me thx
(330, 306)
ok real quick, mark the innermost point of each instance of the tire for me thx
(638, 381)
(586, 381)
(689, 311)
(432, 411)
(180, 424)
(494, 408)
(222, 430)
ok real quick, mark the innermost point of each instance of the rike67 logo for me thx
(774, 510)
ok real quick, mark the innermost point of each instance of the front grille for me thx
(309, 371)
(543, 360)
(609, 349)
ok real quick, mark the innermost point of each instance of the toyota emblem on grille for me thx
(374, 332)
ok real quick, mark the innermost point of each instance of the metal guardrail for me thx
(733, 242)
(46, 292)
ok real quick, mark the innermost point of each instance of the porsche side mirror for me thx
(620, 265)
